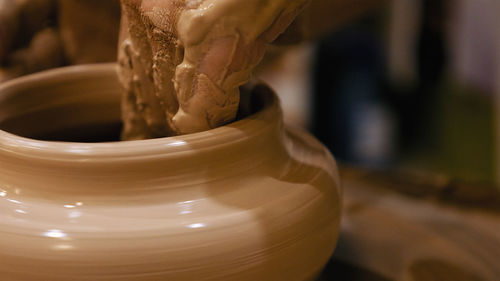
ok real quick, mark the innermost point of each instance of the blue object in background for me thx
(349, 111)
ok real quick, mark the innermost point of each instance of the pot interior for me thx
(68, 123)
(79, 106)
(72, 106)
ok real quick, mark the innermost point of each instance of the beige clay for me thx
(249, 201)
(181, 62)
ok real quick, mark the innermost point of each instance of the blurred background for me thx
(408, 84)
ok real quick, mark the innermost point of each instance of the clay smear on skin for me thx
(181, 62)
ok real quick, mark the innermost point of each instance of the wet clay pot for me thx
(252, 200)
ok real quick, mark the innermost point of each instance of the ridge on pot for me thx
(252, 200)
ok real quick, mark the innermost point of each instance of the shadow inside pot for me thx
(62, 105)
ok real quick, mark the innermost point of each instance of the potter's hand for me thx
(27, 42)
(41, 34)
(207, 48)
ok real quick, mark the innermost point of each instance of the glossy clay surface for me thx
(247, 201)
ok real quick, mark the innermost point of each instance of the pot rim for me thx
(250, 126)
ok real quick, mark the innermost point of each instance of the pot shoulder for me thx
(278, 218)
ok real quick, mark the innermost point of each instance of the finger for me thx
(20, 20)
(204, 103)
(140, 55)
(284, 20)
(224, 40)
(44, 52)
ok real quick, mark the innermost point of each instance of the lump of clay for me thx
(181, 61)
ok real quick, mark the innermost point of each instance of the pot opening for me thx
(82, 109)
(61, 116)
(91, 133)
(88, 133)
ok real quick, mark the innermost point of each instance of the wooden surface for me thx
(402, 226)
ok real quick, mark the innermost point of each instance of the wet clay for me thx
(181, 61)
(180, 208)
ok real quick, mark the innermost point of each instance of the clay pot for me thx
(248, 201)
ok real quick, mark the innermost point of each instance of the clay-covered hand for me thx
(182, 61)
(29, 42)
(40, 34)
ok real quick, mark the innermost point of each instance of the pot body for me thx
(251, 200)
